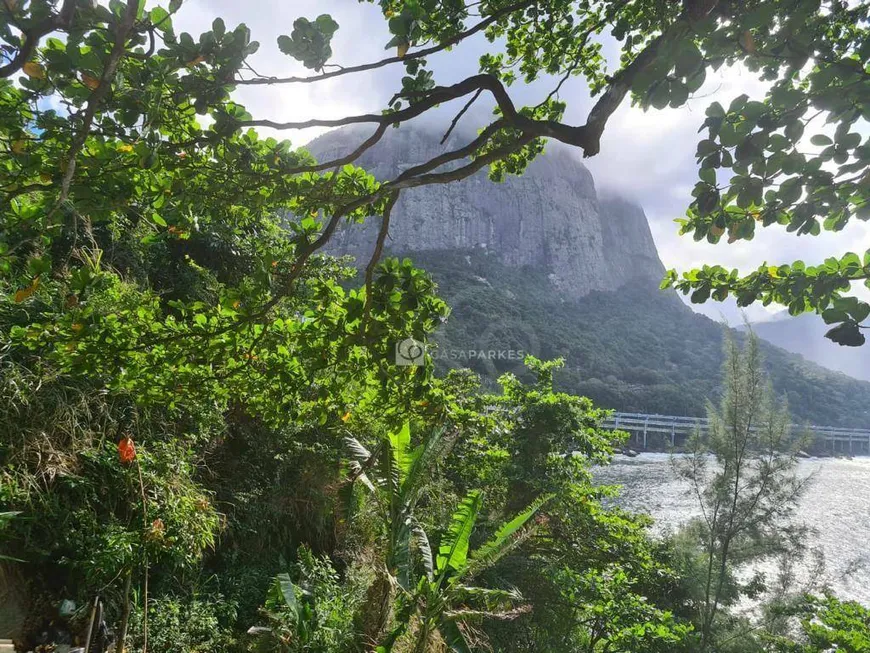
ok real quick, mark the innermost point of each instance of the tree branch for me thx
(376, 255)
(96, 97)
(459, 115)
(344, 160)
(61, 20)
(482, 25)
(453, 155)
(568, 134)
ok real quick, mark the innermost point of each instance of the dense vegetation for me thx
(202, 420)
(637, 350)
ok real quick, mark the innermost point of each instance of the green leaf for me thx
(832, 316)
(790, 190)
(285, 588)
(700, 295)
(400, 445)
(696, 81)
(401, 553)
(846, 334)
(706, 147)
(679, 93)
(689, 59)
(309, 42)
(820, 140)
(218, 27)
(425, 549)
(659, 94)
(708, 175)
(715, 110)
(160, 17)
(794, 130)
(708, 200)
(738, 103)
(860, 312)
(505, 537)
(453, 549)
(326, 25)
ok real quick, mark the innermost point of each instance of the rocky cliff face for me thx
(551, 218)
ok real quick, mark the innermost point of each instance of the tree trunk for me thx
(125, 615)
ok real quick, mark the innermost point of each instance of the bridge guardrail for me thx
(680, 425)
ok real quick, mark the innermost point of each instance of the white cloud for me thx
(361, 37)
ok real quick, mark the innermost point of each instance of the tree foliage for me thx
(136, 87)
(747, 491)
(827, 624)
(796, 158)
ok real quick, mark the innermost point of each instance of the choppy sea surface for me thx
(836, 505)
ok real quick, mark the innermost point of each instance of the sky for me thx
(647, 156)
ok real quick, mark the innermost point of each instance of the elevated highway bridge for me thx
(664, 431)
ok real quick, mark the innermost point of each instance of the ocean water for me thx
(836, 504)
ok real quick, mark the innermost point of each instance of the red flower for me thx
(156, 532)
(126, 450)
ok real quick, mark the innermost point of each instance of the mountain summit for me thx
(551, 218)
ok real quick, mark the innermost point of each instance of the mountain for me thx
(805, 335)
(544, 265)
(550, 218)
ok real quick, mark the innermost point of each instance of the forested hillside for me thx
(548, 265)
(805, 335)
(637, 349)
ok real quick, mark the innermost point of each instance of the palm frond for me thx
(425, 548)
(400, 443)
(401, 554)
(422, 459)
(356, 450)
(486, 599)
(389, 474)
(505, 538)
(360, 460)
(453, 549)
